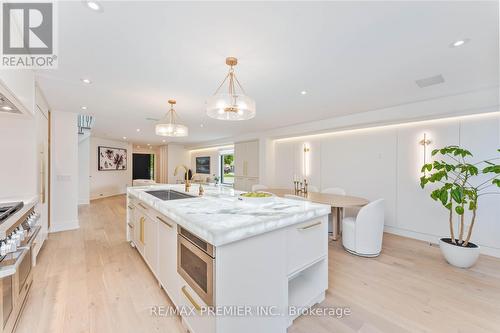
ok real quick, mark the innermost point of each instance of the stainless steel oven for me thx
(15, 284)
(7, 290)
(196, 264)
(23, 272)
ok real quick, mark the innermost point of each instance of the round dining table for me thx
(335, 201)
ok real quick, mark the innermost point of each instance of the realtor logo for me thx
(28, 35)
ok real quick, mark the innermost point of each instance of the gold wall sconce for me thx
(425, 142)
(306, 150)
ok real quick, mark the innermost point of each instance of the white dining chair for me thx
(312, 188)
(363, 234)
(295, 197)
(334, 190)
(259, 187)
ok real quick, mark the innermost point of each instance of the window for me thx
(227, 168)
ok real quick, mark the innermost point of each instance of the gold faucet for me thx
(187, 185)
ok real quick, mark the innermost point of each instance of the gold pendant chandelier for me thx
(168, 125)
(231, 105)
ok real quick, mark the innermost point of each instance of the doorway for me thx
(143, 166)
(227, 168)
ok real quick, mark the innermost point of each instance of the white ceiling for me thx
(349, 57)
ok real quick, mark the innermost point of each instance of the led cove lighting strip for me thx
(381, 127)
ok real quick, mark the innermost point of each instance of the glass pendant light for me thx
(231, 105)
(168, 125)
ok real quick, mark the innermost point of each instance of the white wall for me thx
(84, 171)
(64, 182)
(213, 153)
(108, 183)
(176, 155)
(18, 170)
(385, 163)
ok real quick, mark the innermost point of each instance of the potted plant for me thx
(459, 190)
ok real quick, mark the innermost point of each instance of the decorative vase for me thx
(459, 256)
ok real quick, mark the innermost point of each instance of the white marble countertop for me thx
(220, 218)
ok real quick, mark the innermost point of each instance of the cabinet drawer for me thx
(199, 321)
(307, 242)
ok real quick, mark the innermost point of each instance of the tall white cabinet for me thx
(246, 165)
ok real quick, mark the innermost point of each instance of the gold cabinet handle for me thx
(141, 237)
(309, 226)
(143, 206)
(165, 222)
(191, 299)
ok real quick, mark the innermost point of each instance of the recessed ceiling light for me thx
(7, 108)
(86, 81)
(94, 5)
(459, 42)
(124, 138)
(303, 92)
(164, 140)
(138, 130)
(149, 144)
(201, 125)
(84, 108)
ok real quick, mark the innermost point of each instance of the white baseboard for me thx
(105, 195)
(490, 251)
(56, 226)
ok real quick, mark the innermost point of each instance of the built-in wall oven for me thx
(196, 264)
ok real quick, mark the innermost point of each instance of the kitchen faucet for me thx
(187, 185)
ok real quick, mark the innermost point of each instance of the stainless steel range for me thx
(20, 229)
(9, 209)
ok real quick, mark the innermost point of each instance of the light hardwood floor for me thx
(91, 280)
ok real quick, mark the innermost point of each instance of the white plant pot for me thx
(459, 256)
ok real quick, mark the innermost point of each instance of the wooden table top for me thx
(334, 200)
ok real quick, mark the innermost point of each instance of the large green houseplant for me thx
(460, 185)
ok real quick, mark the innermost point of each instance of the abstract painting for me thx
(203, 164)
(111, 158)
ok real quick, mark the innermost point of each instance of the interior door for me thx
(43, 168)
(142, 166)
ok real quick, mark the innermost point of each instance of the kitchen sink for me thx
(169, 194)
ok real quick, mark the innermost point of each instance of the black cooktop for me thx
(9, 208)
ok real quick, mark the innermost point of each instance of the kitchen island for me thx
(230, 265)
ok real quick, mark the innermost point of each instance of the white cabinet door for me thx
(239, 157)
(131, 223)
(140, 221)
(307, 243)
(246, 159)
(151, 244)
(252, 159)
(167, 257)
(240, 183)
(42, 128)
